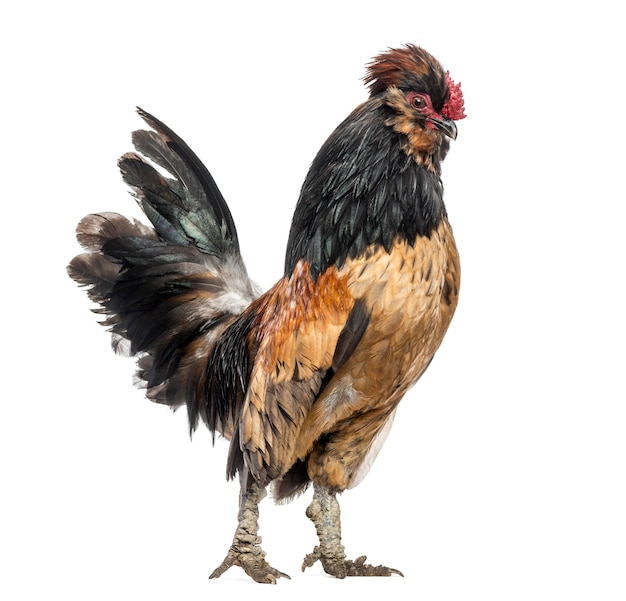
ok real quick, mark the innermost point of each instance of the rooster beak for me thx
(447, 126)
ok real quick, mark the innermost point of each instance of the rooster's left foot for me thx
(325, 514)
(341, 567)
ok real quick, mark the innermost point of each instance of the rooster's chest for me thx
(411, 292)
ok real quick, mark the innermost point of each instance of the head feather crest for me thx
(395, 65)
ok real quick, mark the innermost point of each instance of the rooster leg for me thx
(246, 550)
(325, 514)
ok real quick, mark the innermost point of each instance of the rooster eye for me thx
(421, 102)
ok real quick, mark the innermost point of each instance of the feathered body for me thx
(304, 379)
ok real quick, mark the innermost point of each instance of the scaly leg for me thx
(325, 514)
(246, 550)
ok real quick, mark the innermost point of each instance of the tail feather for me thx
(187, 208)
(93, 233)
(92, 269)
(95, 273)
(168, 293)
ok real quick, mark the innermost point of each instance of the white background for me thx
(504, 475)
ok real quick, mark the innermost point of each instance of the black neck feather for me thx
(362, 190)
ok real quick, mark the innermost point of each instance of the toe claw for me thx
(358, 567)
(310, 559)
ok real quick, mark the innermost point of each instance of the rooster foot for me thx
(246, 551)
(325, 514)
(341, 567)
(251, 558)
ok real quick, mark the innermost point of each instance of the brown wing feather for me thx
(299, 325)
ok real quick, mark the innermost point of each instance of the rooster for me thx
(304, 379)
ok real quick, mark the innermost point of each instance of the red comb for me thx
(455, 107)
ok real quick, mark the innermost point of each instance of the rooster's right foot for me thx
(251, 558)
(246, 551)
